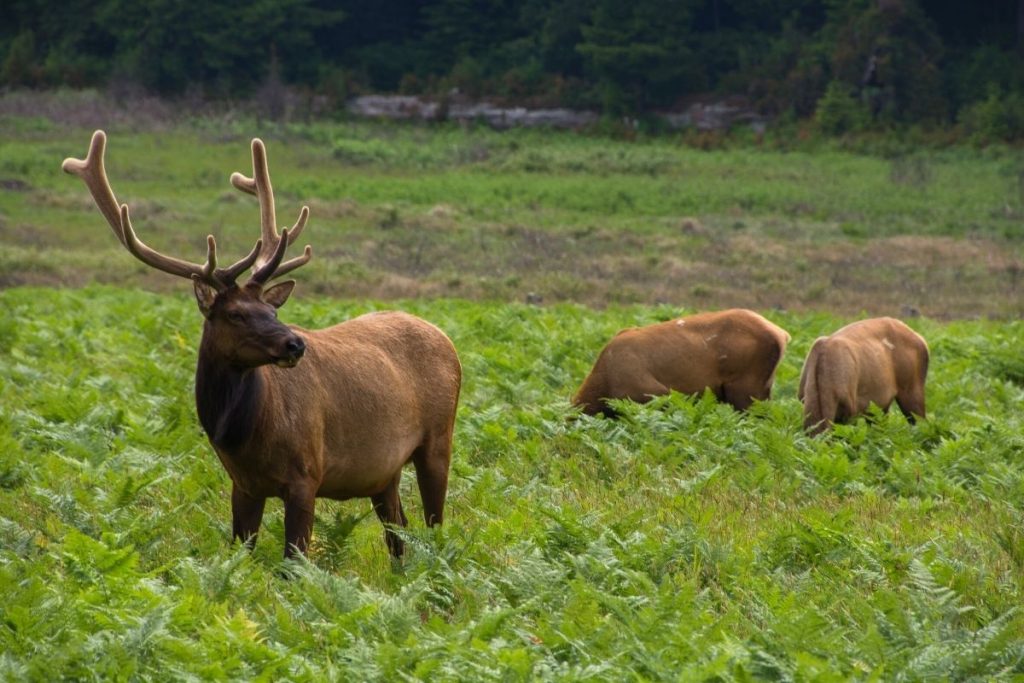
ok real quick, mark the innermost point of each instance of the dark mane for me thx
(227, 401)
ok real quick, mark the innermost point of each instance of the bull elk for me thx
(370, 395)
(872, 361)
(733, 353)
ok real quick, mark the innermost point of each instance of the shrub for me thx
(838, 111)
(19, 66)
(998, 117)
(359, 152)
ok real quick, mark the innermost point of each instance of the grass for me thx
(476, 214)
(684, 541)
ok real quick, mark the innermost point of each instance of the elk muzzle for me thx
(294, 349)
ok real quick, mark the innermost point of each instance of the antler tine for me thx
(259, 186)
(207, 272)
(92, 172)
(265, 271)
(291, 264)
(232, 272)
(293, 234)
(248, 185)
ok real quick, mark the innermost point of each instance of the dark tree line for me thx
(881, 60)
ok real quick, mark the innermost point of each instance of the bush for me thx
(360, 152)
(971, 79)
(20, 66)
(838, 111)
(997, 118)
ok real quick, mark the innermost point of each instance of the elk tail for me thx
(811, 392)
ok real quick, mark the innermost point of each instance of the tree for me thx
(639, 55)
(890, 51)
(222, 45)
(20, 67)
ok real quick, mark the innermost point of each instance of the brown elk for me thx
(370, 395)
(733, 353)
(872, 361)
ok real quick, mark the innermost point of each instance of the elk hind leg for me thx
(431, 461)
(742, 393)
(911, 403)
(821, 410)
(388, 506)
(246, 515)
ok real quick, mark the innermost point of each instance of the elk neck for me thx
(228, 399)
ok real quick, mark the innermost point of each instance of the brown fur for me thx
(295, 413)
(369, 396)
(872, 361)
(733, 353)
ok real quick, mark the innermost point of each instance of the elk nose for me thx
(295, 347)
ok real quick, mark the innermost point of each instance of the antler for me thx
(268, 263)
(92, 172)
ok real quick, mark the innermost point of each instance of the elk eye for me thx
(236, 317)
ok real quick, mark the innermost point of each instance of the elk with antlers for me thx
(370, 395)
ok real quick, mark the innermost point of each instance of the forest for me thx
(855, 64)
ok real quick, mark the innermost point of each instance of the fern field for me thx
(684, 541)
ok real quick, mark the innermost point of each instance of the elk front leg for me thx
(388, 506)
(298, 518)
(246, 515)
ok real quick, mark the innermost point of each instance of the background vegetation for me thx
(406, 211)
(876, 63)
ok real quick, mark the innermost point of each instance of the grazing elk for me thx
(871, 361)
(370, 394)
(733, 353)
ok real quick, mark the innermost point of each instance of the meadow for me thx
(683, 541)
(441, 211)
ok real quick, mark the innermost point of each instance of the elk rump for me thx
(872, 361)
(733, 353)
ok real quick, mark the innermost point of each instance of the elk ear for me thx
(279, 293)
(205, 295)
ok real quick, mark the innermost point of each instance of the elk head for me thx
(241, 325)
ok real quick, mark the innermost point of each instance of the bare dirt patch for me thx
(435, 256)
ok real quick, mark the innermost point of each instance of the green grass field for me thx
(408, 212)
(684, 541)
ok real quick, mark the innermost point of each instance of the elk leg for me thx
(431, 461)
(742, 394)
(911, 404)
(643, 390)
(820, 410)
(246, 515)
(388, 506)
(298, 519)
